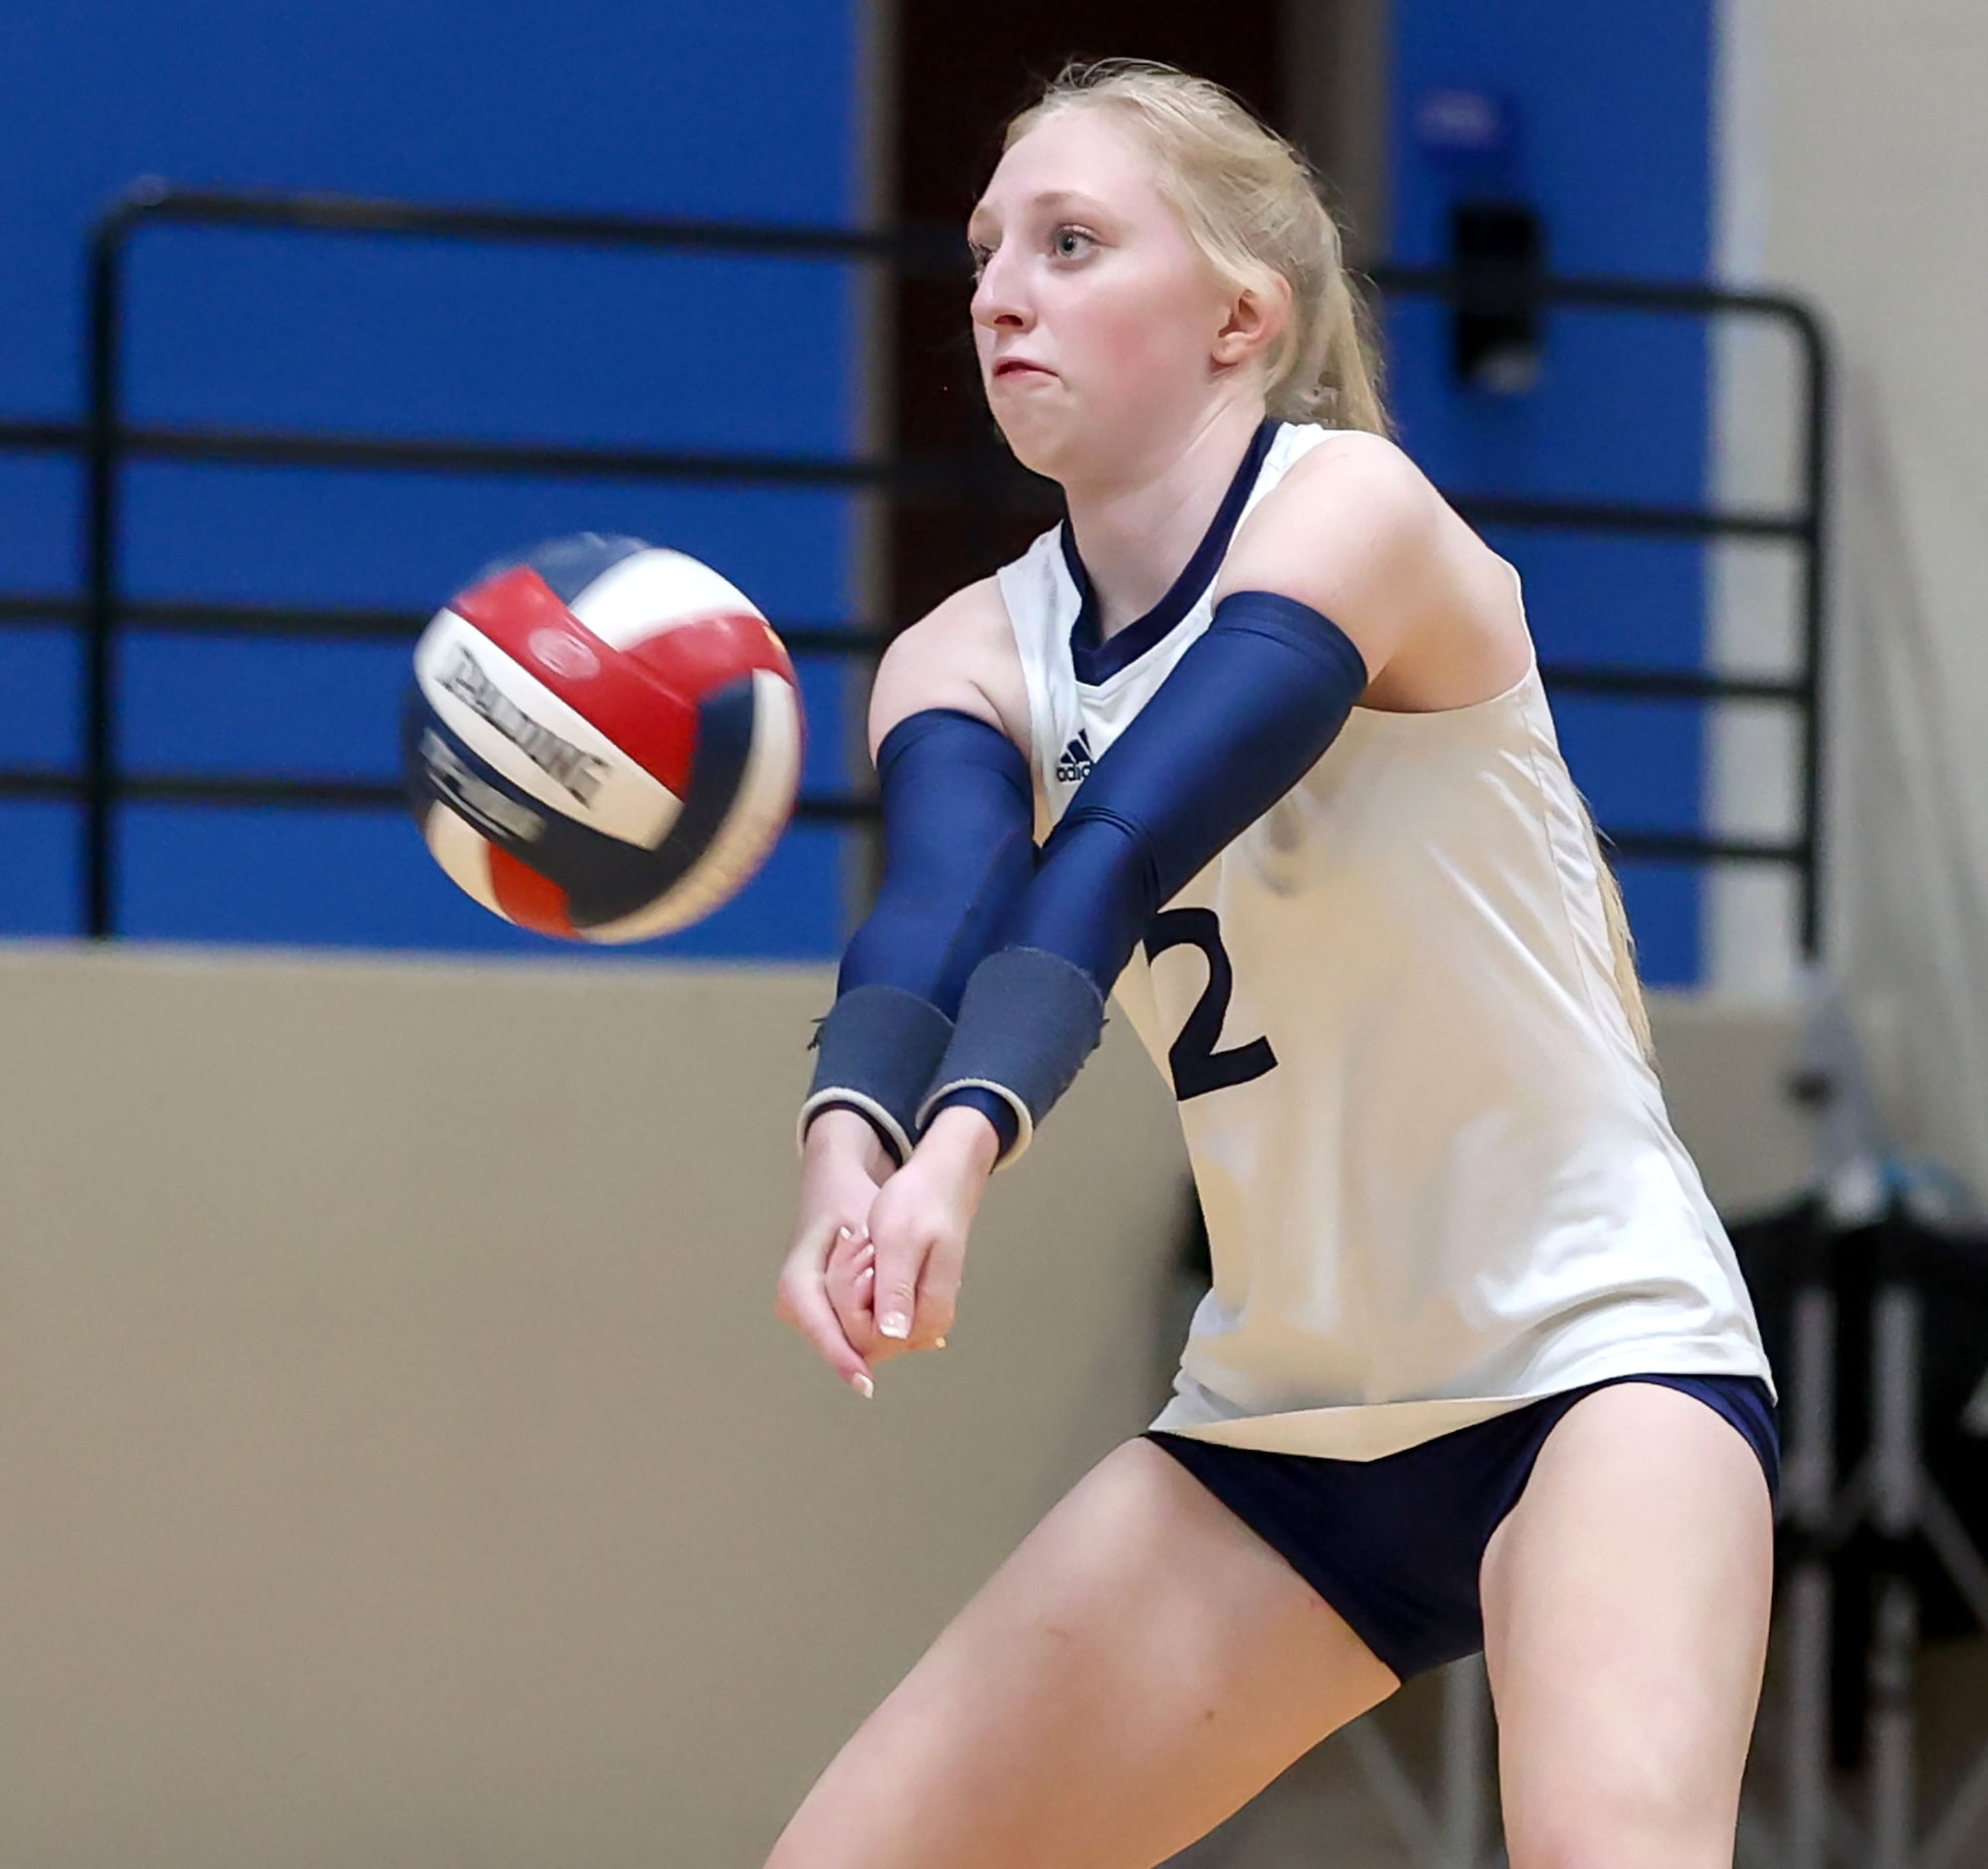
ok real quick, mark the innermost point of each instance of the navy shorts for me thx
(1395, 1545)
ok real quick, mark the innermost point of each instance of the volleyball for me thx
(602, 741)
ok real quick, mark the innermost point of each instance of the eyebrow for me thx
(1049, 198)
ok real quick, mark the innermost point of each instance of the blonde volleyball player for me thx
(1478, 1368)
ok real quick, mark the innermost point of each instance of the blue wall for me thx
(1612, 105)
(743, 110)
(671, 106)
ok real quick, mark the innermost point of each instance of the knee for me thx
(803, 1847)
(1605, 1835)
(842, 1824)
(819, 1839)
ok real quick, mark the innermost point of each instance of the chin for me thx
(1041, 447)
(1041, 440)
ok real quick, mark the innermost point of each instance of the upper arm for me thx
(962, 656)
(1356, 531)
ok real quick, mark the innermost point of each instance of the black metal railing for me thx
(106, 442)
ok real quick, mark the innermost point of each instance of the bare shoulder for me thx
(1353, 457)
(1363, 490)
(1359, 532)
(962, 655)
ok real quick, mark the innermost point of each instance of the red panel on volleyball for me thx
(529, 898)
(653, 726)
(707, 652)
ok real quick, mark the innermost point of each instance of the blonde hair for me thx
(1622, 951)
(1252, 204)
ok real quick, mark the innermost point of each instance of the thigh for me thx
(1139, 1669)
(1626, 1601)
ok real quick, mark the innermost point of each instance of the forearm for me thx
(1248, 711)
(958, 810)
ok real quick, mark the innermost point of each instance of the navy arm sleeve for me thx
(958, 851)
(958, 822)
(1246, 712)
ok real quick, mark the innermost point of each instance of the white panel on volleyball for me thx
(464, 854)
(758, 817)
(653, 592)
(623, 799)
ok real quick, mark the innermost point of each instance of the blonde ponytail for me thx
(1621, 953)
(1348, 393)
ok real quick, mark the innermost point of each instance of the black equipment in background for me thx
(1498, 326)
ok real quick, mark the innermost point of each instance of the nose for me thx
(999, 299)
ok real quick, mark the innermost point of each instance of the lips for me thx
(1016, 366)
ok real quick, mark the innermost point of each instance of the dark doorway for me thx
(961, 75)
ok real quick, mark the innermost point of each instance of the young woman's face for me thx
(1097, 318)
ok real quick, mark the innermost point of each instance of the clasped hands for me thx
(875, 1265)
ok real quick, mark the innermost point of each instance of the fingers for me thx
(853, 1250)
(920, 1248)
(937, 1300)
(829, 1293)
(894, 1296)
(938, 1295)
(915, 1291)
(852, 1277)
(803, 1302)
(852, 1289)
(811, 1314)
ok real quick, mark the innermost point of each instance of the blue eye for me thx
(1069, 241)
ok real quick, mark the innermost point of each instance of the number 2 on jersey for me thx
(1196, 1064)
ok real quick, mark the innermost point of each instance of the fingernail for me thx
(842, 1232)
(867, 1272)
(939, 1343)
(894, 1323)
(862, 1385)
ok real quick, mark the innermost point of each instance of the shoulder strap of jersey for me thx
(1041, 604)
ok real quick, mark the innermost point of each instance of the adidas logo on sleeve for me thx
(1073, 762)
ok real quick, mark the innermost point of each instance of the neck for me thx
(1136, 531)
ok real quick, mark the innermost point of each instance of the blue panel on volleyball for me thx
(569, 565)
(602, 878)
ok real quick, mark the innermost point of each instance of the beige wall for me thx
(401, 1462)
(1855, 168)
(402, 1465)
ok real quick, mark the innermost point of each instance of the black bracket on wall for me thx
(1498, 324)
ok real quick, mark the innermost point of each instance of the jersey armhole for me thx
(1031, 648)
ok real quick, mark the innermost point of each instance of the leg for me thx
(1626, 1601)
(1137, 1670)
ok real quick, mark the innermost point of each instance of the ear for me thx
(1256, 314)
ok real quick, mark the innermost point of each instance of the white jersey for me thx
(1438, 1175)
